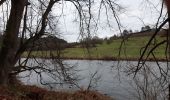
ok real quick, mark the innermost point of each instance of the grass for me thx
(130, 50)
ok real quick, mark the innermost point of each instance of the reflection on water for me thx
(108, 80)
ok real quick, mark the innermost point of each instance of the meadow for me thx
(129, 50)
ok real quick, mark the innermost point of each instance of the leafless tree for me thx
(152, 81)
(27, 21)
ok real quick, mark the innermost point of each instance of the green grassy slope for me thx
(130, 49)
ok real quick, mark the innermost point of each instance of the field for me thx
(130, 50)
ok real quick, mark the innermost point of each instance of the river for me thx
(109, 79)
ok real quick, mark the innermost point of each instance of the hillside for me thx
(48, 43)
(129, 50)
(111, 49)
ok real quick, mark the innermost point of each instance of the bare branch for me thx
(2, 1)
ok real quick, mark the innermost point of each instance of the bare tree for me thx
(29, 21)
(152, 81)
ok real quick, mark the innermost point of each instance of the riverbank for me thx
(117, 59)
(26, 92)
(103, 59)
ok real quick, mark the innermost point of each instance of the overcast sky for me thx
(135, 14)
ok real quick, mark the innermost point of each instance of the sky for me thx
(134, 15)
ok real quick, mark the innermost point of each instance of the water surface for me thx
(109, 80)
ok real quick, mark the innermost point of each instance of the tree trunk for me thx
(10, 38)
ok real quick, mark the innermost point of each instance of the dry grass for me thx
(22, 92)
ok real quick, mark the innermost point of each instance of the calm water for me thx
(108, 80)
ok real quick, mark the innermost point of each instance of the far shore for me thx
(106, 59)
